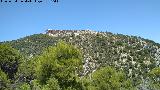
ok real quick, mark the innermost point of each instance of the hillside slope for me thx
(135, 55)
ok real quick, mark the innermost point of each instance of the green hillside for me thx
(134, 56)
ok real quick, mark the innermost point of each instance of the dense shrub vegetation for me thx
(101, 61)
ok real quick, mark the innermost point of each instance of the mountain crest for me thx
(51, 32)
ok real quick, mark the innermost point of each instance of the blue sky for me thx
(130, 17)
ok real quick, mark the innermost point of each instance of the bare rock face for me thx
(68, 32)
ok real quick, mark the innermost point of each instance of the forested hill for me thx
(136, 56)
(99, 48)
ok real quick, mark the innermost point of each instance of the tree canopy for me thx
(61, 62)
(9, 60)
